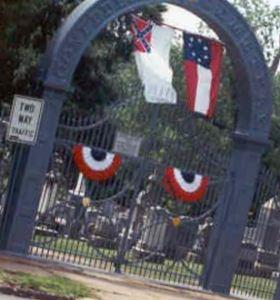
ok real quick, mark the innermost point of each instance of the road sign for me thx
(25, 120)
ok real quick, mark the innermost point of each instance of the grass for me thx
(73, 247)
(53, 285)
(258, 287)
(178, 273)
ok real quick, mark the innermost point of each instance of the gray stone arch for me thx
(251, 135)
(253, 81)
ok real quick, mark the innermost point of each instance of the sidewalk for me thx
(106, 286)
(5, 297)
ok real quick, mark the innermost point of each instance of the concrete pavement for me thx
(5, 297)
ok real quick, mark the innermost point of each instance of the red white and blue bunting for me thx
(96, 165)
(186, 187)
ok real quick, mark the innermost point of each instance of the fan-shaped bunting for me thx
(186, 187)
(96, 165)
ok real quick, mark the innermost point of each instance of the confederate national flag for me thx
(203, 60)
(152, 45)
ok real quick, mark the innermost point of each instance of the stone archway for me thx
(250, 137)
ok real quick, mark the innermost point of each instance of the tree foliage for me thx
(26, 29)
(265, 22)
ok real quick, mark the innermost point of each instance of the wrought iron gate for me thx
(129, 223)
(7, 151)
(259, 262)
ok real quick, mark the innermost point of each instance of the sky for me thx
(274, 2)
(182, 19)
(185, 20)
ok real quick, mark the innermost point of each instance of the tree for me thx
(96, 80)
(25, 31)
(265, 22)
(26, 28)
(272, 156)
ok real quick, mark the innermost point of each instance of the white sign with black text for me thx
(25, 120)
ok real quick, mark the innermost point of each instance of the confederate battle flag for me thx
(203, 60)
(152, 45)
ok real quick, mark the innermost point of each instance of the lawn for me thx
(258, 287)
(52, 285)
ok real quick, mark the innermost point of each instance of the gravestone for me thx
(79, 191)
(268, 237)
(138, 214)
(108, 209)
(248, 252)
(247, 258)
(103, 227)
(47, 221)
(180, 240)
(3, 128)
(201, 244)
(152, 241)
(162, 239)
(102, 233)
(49, 193)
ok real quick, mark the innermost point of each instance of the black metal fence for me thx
(259, 263)
(129, 224)
(6, 154)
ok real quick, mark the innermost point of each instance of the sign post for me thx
(25, 120)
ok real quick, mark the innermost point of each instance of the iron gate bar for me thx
(258, 268)
(277, 293)
(255, 106)
(46, 243)
(213, 180)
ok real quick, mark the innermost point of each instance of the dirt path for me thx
(106, 286)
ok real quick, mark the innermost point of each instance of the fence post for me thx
(27, 180)
(19, 153)
(231, 216)
(277, 292)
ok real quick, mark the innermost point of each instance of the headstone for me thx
(250, 235)
(108, 209)
(47, 223)
(79, 190)
(103, 228)
(247, 259)
(268, 237)
(3, 128)
(102, 233)
(137, 211)
(138, 214)
(152, 241)
(204, 232)
(201, 243)
(49, 193)
(180, 240)
(248, 252)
